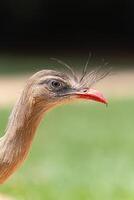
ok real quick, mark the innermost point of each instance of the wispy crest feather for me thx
(94, 76)
(67, 66)
(87, 79)
(85, 67)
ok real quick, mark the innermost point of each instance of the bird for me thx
(43, 91)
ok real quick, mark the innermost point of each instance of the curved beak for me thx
(91, 94)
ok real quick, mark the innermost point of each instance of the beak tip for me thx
(105, 101)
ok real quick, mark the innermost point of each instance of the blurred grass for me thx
(81, 152)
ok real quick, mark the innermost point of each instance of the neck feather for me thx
(15, 144)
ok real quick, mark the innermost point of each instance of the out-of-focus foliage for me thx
(11, 63)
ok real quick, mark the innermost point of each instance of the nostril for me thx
(85, 90)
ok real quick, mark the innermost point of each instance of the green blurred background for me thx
(81, 151)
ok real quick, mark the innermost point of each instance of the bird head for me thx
(52, 88)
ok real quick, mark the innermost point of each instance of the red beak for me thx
(92, 94)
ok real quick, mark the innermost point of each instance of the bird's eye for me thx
(56, 84)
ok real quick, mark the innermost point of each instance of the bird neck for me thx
(15, 144)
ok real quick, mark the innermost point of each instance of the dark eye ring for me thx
(56, 84)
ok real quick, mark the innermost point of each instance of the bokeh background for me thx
(82, 151)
